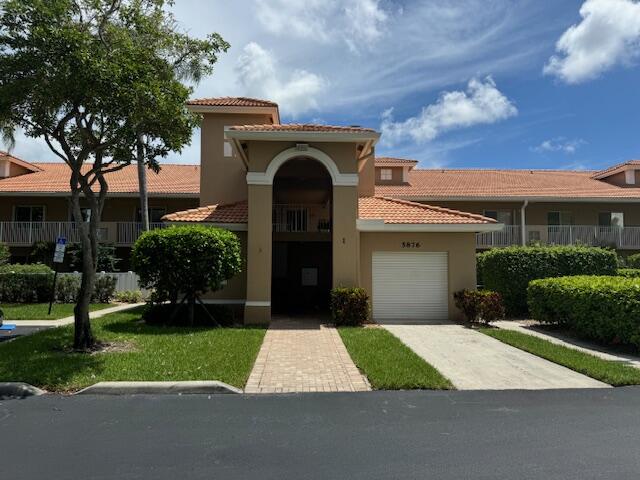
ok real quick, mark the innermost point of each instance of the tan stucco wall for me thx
(222, 179)
(620, 180)
(345, 237)
(461, 249)
(367, 176)
(396, 173)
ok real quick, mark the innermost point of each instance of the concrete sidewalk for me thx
(69, 320)
(473, 361)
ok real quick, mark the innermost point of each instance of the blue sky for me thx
(452, 83)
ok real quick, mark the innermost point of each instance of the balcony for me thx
(25, 234)
(301, 218)
(621, 238)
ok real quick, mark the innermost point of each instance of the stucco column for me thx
(345, 236)
(259, 241)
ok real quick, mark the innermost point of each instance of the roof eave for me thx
(233, 227)
(304, 136)
(269, 110)
(531, 199)
(374, 225)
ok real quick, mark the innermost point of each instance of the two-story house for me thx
(35, 203)
(303, 200)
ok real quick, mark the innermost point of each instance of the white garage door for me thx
(410, 286)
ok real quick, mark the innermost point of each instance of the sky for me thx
(451, 83)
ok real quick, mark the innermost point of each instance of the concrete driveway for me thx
(473, 361)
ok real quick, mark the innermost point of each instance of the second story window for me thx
(386, 174)
(28, 213)
(155, 214)
(501, 216)
(611, 219)
(559, 218)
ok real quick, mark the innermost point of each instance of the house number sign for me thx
(411, 245)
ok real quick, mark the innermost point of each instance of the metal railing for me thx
(301, 218)
(24, 234)
(592, 235)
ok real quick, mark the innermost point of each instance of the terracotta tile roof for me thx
(232, 102)
(18, 161)
(392, 210)
(223, 213)
(606, 171)
(463, 184)
(392, 161)
(54, 178)
(300, 127)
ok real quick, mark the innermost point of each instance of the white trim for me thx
(338, 179)
(367, 225)
(418, 198)
(215, 301)
(257, 304)
(302, 136)
(232, 227)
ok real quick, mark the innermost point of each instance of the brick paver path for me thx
(303, 355)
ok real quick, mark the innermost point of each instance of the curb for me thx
(159, 388)
(18, 390)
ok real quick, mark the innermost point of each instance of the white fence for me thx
(124, 280)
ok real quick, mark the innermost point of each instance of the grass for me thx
(156, 353)
(38, 311)
(388, 363)
(607, 371)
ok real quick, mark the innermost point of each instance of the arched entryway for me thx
(302, 236)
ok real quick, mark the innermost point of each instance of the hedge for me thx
(629, 272)
(601, 308)
(508, 271)
(349, 306)
(633, 261)
(479, 305)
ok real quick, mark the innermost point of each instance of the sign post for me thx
(58, 257)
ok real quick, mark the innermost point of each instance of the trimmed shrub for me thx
(25, 283)
(601, 308)
(480, 305)
(104, 290)
(349, 306)
(508, 271)
(4, 254)
(129, 296)
(67, 288)
(633, 261)
(629, 272)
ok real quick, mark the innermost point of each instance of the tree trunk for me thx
(142, 182)
(83, 337)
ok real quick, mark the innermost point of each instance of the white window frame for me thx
(630, 177)
(386, 174)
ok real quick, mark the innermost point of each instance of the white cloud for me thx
(356, 22)
(481, 103)
(31, 149)
(608, 35)
(559, 144)
(259, 73)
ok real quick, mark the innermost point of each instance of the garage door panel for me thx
(410, 286)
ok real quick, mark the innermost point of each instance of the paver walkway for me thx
(303, 355)
(473, 361)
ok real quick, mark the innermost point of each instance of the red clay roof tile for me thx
(392, 210)
(232, 102)
(300, 127)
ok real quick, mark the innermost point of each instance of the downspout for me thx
(523, 222)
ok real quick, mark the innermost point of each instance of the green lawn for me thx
(388, 363)
(607, 371)
(156, 353)
(38, 311)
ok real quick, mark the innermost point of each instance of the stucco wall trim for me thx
(379, 226)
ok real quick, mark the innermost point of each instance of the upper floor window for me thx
(501, 216)
(611, 219)
(559, 218)
(630, 177)
(28, 213)
(155, 214)
(386, 174)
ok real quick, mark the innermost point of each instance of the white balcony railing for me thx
(25, 234)
(301, 218)
(592, 235)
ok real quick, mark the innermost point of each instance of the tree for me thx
(90, 77)
(106, 258)
(4, 254)
(186, 261)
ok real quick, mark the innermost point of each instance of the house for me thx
(561, 207)
(35, 203)
(305, 204)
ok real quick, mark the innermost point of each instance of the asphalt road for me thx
(562, 434)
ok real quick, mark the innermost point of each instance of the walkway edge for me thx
(69, 320)
(19, 390)
(159, 388)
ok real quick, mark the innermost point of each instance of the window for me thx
(501, 216)
(559, 218)
(611, 219)
(155, 214)
(386, 174)
(630, 177)
(29, 213)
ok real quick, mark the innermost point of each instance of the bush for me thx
(633, 261)
(25, 283)
(480, 305)
(508, 271)
(349, 306)
(186, 261)
(629, 272)
(129, 296)
(165, 314)
(106, 261)
(67, 288)
(104, 290)
(601, 308)
(4, 254)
